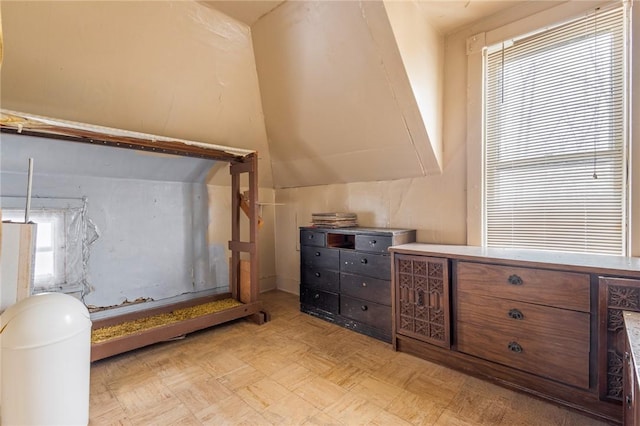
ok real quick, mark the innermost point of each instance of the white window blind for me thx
(554, 135)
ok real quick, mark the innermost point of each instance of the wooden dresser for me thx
(549, 324)
(345, 276)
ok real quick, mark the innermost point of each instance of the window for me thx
(555, 140)
(49, 268)
(63, 239)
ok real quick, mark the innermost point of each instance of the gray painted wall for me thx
(151, 212)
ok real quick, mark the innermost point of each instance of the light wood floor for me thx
(297, 369)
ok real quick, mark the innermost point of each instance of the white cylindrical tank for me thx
(46, 360)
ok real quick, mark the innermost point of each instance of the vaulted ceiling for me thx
(444, 15)
(352, 91)
(326, 91)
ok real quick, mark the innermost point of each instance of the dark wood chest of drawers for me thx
(345, 276)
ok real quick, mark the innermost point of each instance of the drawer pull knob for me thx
(514, 347)
(372, 242)
(420, 301)
(364, 284)
(364, 261)
(317, 253)
(628, 398)
(516, 314)
(514, 280)
(311, 236)
(318, 274)
(316, 296)
(364, 307)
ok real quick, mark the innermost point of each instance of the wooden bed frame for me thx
(241, 162)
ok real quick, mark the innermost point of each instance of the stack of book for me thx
(334, 220)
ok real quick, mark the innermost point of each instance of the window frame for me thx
(76, 234)
(551, 146)
(548, 18)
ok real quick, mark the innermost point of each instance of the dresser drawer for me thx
(371, 265)
(321, 279)
(560, 327)
(553, 288)
(370, 313)
(312, 238)
(514, 347)
(319, 299)
(366, 288)
(321, 258)
(373, 243)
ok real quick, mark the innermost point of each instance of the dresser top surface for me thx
(358, 230)
(594, 263)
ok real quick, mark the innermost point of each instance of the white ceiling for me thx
(449, 15)
(244, 11)
(445, 15)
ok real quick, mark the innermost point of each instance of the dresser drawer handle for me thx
(514, 280)
(516, 314)
(318, 274)
(317, 253)
(316, 296)
(420, 294)
(364, 307)
(628, 399)
(372, 242)
(364, 261)
(364, 284)
(514, 347)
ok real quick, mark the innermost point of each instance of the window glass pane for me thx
(44, 235)
(44, 265)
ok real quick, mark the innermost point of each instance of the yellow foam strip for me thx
(103, 334)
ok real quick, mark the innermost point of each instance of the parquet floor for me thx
(294, 370)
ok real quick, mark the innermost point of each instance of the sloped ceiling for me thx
(337, 102)
(352, 91)
(170, 68)
(247, 11)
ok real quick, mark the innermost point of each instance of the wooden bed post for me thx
(234, 279)
(253, 227)
(249, 166)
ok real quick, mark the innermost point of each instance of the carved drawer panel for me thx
(422, 298)
(515, 347)
(566, 290)
(322, 279)
(371, 265)
(615, 295)
(370, 313)
(323, 258)
(366, 288)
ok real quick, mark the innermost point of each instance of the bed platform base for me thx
(252, 311)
